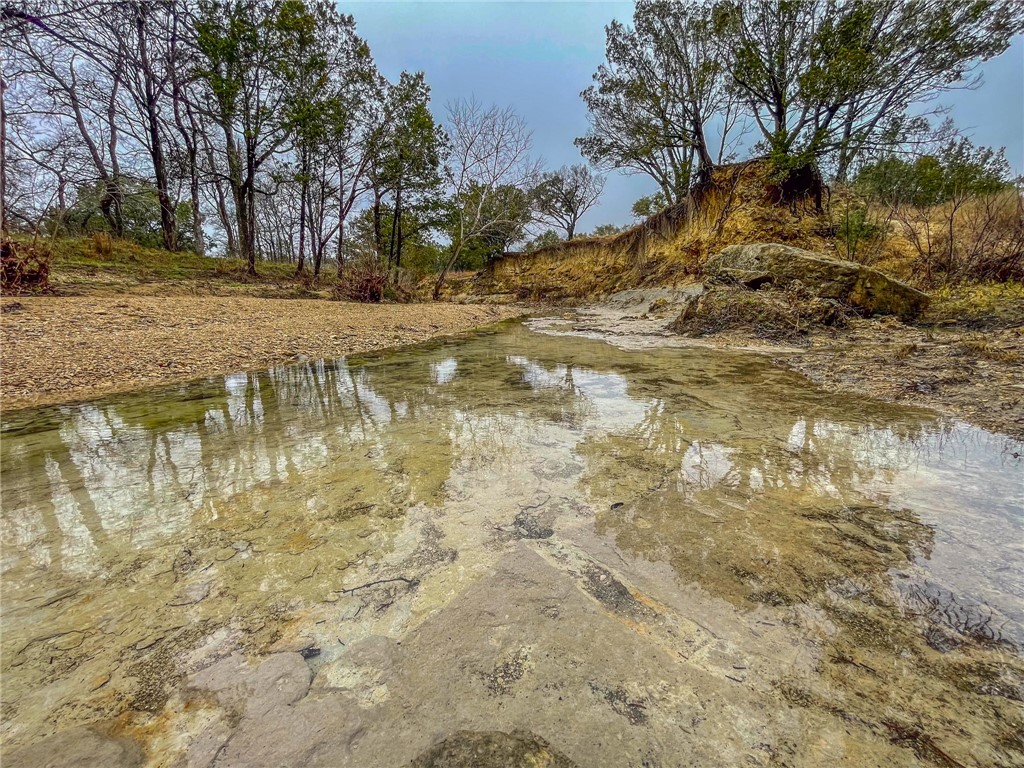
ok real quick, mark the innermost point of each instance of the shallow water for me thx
(652, 557)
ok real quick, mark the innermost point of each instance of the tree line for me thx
(263, 129)
(262, 124)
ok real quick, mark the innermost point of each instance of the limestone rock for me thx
(77, 748)
(853, 284)
(279, 680)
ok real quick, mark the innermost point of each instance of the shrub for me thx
(860, 232)
(957, 208)
(102, 244)
(24, 267)
(363, 281)
(988, 238)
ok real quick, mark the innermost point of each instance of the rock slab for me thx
(855, 285)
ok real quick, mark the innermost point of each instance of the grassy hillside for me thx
(102, 265)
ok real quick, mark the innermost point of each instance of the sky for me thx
(538, 56)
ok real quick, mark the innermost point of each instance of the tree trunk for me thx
(113, 210)
(247, 247)
(318, 260)
(704, 160)
(198, 236)
(396, 228)
(168, 226)
(110, 206)
(249, 243)
(341, 213)
(241, 191)
(303, 189)
(444, 271)
(225, 219)
(3, 153)
(378, 236)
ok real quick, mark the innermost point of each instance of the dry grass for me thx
(974, 240)
(979, 305)
(903, 351)
(988, 350)
(737, 207)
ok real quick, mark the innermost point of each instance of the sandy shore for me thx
(58, 350)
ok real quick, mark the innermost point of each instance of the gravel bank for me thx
(65, 349)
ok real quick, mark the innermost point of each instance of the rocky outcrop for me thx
(855, 285)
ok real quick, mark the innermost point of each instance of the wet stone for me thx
(613, 594)
(500, 681)
(634, 710)
(68, 641)
(527, 526)
(492, 749)
(77, 748)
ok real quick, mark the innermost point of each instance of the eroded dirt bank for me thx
(971, 373)
(66, 349)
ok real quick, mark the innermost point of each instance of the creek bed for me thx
(515, 544)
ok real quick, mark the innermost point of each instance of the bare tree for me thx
(563, 196)
(490, 149)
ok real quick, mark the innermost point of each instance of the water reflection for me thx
(236, 504)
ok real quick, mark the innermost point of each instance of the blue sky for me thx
(538, 56)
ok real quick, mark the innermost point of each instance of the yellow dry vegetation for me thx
(975, 239)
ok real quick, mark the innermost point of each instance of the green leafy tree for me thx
(607, 230)
(828, 81)
(563, 196)
(956, 171)
(247, 49)
(509, 212)
(422, 253)
(663, 82)
(545, 239)
(353, 119)
(649, 205)
(306, 70)
(141, 214)
(935, 186)
(411, 147)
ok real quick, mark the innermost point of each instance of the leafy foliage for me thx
(545, 239)
(956, 170)
(649, 205)
(823, 81)
(563, 196)
(651, 102)
(605, 230)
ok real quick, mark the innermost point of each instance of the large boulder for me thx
(855, 285)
